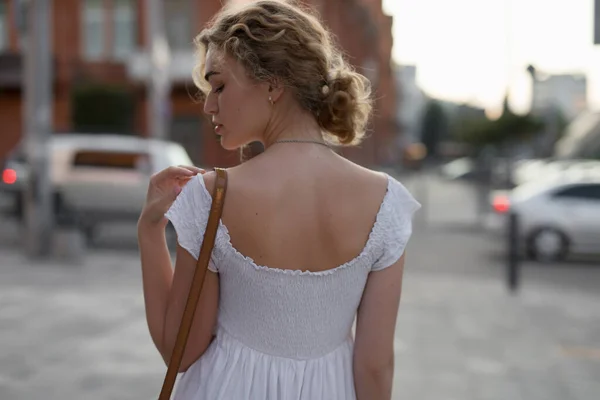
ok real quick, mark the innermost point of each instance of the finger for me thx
(178, 172)
(176, 191)
(171, 174)
(193, 168)
(181, 181)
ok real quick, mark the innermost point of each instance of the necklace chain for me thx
(301, 141)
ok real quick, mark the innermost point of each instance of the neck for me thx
(291, 122)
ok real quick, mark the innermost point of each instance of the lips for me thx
(218, 128)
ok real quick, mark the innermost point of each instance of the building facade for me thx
(566, 93)
(106, 42)
(413, 101)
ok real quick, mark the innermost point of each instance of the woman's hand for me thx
(163, 189)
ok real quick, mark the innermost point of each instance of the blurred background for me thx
(487, 110)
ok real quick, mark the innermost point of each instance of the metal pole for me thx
(513, 260)
(422, 177)
(37, 122)
(158, 79)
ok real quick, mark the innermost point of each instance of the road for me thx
(78, 331)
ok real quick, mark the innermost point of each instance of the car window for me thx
(595, 190)
(581, 192)
(112, 160)
(177, 155)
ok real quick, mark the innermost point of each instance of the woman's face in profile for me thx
(239, 106)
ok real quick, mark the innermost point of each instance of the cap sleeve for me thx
(398, 209)
(189, 216)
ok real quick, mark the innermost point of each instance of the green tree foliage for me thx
(509, 128)
(98, 108)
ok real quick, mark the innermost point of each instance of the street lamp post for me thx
(159, 84)
(34, 21)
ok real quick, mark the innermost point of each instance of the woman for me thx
(307, 241)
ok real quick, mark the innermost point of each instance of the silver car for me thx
(97, 178)
(557, 217)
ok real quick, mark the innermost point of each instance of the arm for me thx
(375, 327)
(205, 317)
(165, 296)
(157, 278)
(165, 291)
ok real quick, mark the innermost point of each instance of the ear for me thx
(276, 89)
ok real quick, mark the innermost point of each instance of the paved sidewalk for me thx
(465, 338)
(78, 332)
(75, 332)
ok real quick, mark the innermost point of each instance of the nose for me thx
(210, 105)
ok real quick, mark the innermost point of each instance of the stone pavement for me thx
(466, 338)
(75, 332)
(78, 332)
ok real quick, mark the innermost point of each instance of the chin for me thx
(230, 144)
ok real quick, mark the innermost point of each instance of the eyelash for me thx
(219, 89)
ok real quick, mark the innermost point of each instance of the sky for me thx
(473, 50)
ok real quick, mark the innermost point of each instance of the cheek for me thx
(231, 107)
(248, 115)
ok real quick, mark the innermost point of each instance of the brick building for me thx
(104, 41)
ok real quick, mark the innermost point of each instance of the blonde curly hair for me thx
(277, 40)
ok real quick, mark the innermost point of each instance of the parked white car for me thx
(97, 178)
(557, 217)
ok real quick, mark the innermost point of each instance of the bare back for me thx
(302, 208)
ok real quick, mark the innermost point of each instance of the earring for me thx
(271, 100)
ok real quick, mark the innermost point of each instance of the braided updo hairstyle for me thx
(277, 40)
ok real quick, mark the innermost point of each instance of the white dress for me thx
(283, 334)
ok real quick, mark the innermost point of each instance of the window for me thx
(93, 29)
(95, 23)
(3, 26)
(179, 24)
(580, 192)
(107, 159)
(125, 28)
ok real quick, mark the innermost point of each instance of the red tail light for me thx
(9, 176)
(501, 204)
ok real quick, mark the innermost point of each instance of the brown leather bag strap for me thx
(208, 243)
